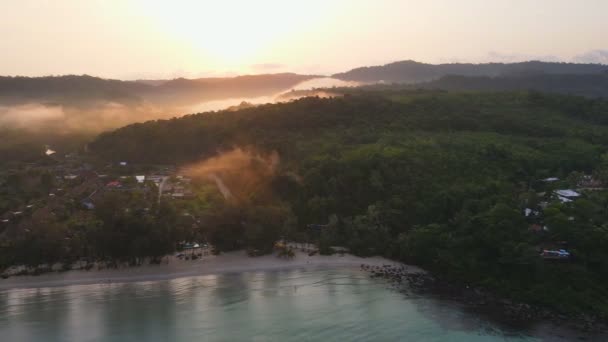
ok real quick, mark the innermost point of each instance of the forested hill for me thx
(358, 118)
(427, 177)
(411, 71)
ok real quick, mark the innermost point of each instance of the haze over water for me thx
(319, 305)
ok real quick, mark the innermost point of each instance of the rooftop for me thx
(567, 193)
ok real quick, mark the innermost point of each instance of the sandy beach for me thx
(233, 262)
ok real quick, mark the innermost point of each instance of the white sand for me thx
(234, 262)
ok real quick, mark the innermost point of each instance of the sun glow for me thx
(231, 33)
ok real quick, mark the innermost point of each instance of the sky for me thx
(131, 39)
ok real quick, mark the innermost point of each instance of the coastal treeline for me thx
(438, 179)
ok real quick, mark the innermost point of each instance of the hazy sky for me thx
(153, 39)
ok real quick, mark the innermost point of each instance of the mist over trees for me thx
(86, 104)
(64, 111)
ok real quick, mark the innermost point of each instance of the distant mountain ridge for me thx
(85, 88)
(412, 72)
(14, 90)
(588, 85)
(181, 95)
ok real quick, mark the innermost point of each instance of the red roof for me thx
(113, 184)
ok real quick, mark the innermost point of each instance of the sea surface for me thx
(297, 305)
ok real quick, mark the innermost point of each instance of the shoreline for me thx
(232, 262)
(507, 312)
(416, 280)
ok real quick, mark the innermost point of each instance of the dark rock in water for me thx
(504, 309)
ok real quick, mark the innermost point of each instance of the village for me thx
(82, 185)
(72, 189)
(60, 186)
(553, 190)
(74, 185)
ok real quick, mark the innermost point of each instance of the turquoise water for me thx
(299, 305)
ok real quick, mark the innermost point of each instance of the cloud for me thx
(598, 56)
(593, 56)
(267, 66)
(499, 57)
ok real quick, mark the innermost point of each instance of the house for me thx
(537, 228)
(558, 254)
(317, 226)
(88, 175)
(339, 249)
(528, 212)
(88, 205)
(157, 179)
(566, 195)
(589, 182)
(114, 184)
(190, 245)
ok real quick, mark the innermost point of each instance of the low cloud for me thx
(594, 56)
(499, 57)
(93, 117)
(599, 56)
